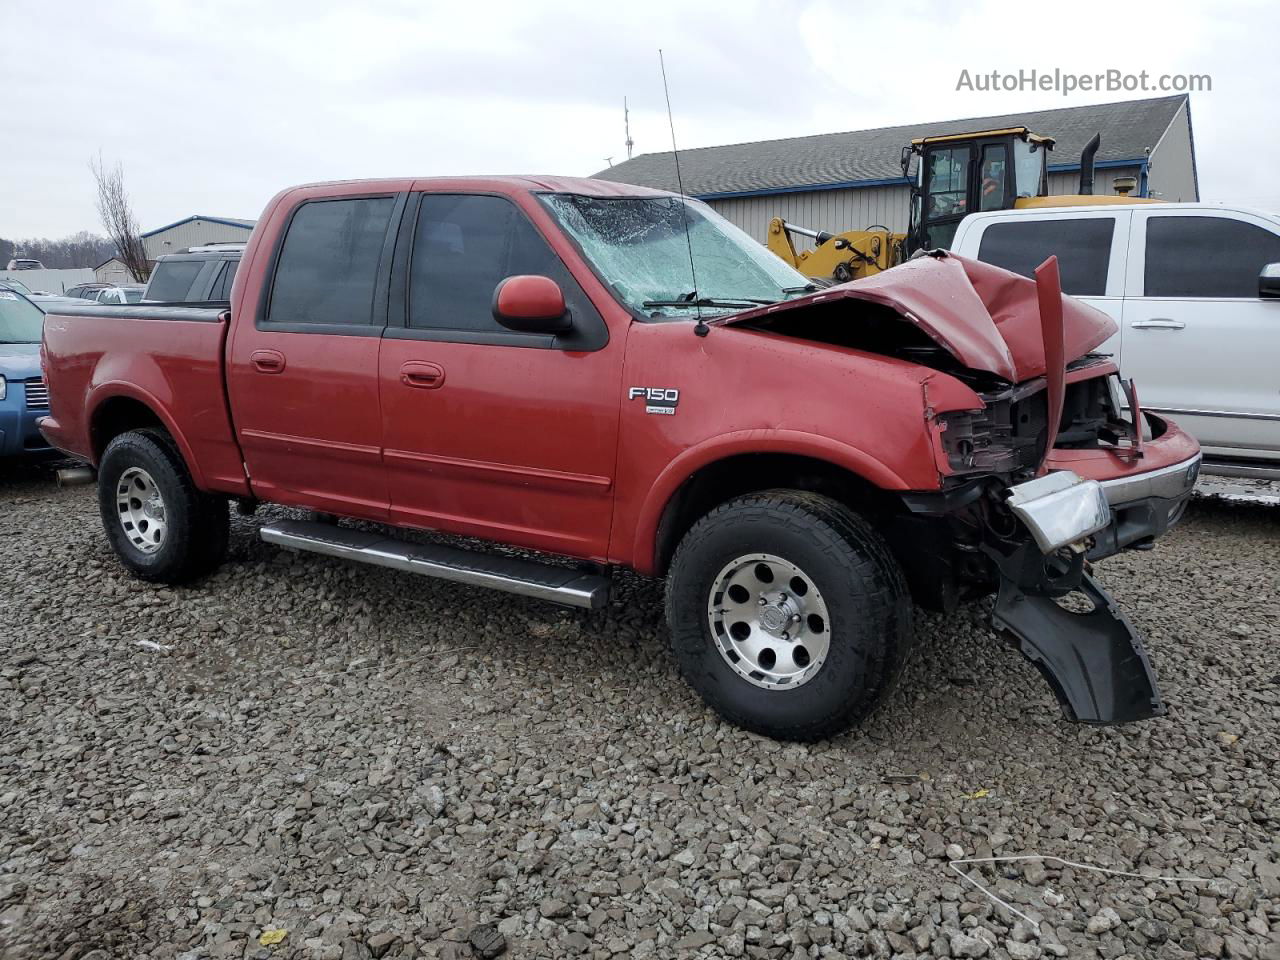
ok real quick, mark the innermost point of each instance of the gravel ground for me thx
(388, 766)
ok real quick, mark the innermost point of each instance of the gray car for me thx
(201, 275)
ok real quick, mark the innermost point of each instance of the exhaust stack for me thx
(1086, 165)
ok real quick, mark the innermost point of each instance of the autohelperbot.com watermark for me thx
(1067, 82)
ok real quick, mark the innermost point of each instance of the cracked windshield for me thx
(638, 245)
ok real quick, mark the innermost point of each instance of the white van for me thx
(1195, 291)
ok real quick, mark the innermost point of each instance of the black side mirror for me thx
(1269, 282)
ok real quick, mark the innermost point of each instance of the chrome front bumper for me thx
(1060, 508)
(1168, 483)
(1063, 508)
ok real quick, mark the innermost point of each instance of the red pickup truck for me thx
(612, 376)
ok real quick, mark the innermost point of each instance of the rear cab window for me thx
(329, 265)
(1082, 245)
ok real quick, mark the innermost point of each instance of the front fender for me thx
(758, 441)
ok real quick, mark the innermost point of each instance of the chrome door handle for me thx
(1158, 323)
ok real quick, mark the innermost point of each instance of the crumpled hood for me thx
(986, 317)
(19, 361)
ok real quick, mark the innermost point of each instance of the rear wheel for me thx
(159, 524)
(788, 614)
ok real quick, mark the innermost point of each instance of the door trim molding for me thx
(283, 442)
(1215, 413)
(503, 473)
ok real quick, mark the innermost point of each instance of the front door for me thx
(1199, 342)
(490, 433)
(302, 374)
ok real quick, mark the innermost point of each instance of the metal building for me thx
(193, 232)
(112, 271)
(849, 181)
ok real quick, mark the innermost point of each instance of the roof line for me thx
(906, 126)
(883, 182)
(807, 188)
(198, 216)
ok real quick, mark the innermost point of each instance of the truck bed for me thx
(170, 357)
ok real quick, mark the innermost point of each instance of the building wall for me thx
(192, 234)
(113, 271)
(51, 281)
(833, 210)
(1103, 181)
(859, 207)
(1172, 173)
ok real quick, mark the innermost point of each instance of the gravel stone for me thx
(487, 941)
(385, 766)
(1106, 919)
(963, 945)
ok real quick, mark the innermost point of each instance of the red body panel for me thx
(749, 392)
(179, 377)
(547, 448)
(1049, 298)
(987, 318)
(1173, 446)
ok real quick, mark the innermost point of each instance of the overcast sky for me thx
(214, 106)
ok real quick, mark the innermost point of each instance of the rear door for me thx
(1090, 246)
(303, 371)
(487, 432)
(1198, 340)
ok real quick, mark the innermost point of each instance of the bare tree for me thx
(117, 218)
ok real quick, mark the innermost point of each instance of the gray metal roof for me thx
(1128, 130)
(227, 221)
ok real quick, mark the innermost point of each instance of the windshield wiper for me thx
(690, 301)
(807, 288)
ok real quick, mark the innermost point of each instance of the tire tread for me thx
(206, 515)
(833, 527)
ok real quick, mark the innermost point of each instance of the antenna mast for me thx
(701, 329)
(626, 123)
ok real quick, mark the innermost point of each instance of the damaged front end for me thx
(1029, 469)
(1047, 603)
(1030, 543)
(1086, 649)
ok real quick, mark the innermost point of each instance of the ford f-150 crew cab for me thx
(606, 375)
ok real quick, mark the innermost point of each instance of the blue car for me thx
(24, 398)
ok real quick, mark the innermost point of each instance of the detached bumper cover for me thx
(1094, 661)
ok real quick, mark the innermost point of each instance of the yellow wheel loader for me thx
(957, 174)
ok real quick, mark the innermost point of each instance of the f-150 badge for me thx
(660, 400)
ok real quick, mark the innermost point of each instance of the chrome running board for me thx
(527, 578)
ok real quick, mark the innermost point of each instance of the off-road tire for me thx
(198, 523)
(862, 586)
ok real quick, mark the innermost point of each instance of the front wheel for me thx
(788, 614)
(159, 524)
